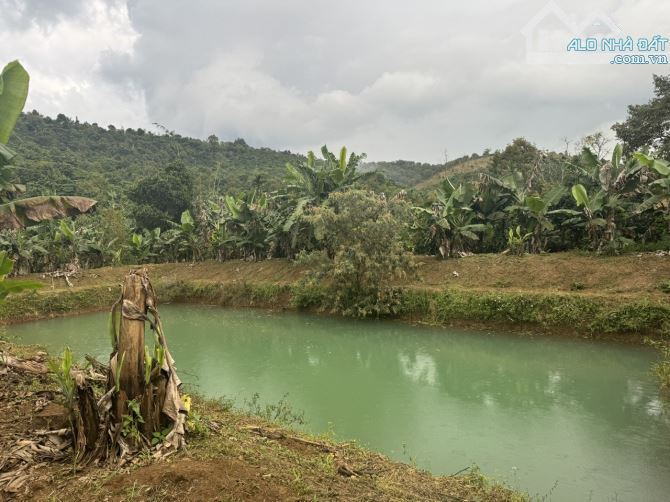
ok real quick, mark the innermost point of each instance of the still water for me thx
(569, 419)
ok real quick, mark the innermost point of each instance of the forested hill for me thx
(67, 156)
(403, 172)
(417, 175)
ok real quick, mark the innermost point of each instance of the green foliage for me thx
(14, 286)
(646, 125)
(131, 422)
(13, 93)
(159, 437)
(516, 241)
(451, 221)
(577, 286)
(60, 371)
(71, 157)
(15, 214)
(163, 197)
(519, 156)
(195, 424)
(404, 172)
(568, 311)
(362, 234)
(173, 201)
(664, 286)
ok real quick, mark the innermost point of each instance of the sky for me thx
(417, 80)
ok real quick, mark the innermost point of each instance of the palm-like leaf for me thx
(14, 81)
(26, 212)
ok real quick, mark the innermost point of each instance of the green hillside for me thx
(403, 172)
(464, 169)
(419, 175)
(67, 156)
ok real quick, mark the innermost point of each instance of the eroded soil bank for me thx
(621, 298)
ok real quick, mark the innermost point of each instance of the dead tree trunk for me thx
(145, 379)
(130, 348)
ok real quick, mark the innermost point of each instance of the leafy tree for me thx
(648, 125)
(519, 156)
(658, 198)
(364, 251)
(162, 197)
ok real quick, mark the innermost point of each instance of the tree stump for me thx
(134, 375)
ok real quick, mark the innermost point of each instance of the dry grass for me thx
(630, 276)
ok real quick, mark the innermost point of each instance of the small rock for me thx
(455, 274)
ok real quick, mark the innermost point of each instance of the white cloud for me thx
(62, 52)
(402, 80)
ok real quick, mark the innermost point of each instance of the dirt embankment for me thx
(621, 297)
(631, 276)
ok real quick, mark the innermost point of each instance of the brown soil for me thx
(631, 276)
(276, 271)
(238, 458)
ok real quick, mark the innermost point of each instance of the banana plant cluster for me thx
(608, 206)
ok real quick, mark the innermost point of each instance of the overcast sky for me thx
(393, 78)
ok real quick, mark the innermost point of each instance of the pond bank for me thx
(234, 456)
(614, 298)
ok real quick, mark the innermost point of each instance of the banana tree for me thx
(316, 179)
(186, 236)
(24, 248)
(659, 190)
(536, 209)
(450, 221)
(613, 186)
(599, 211)
(310, 182)
(76, 242)
(15, 214)
(248, 225)
(142, 245)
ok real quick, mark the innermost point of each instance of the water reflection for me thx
(420, 368)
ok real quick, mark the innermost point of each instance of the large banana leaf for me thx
(580, 195)
(13, 93)
(26, 212)
(658, 165)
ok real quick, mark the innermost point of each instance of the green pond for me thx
(563, 418)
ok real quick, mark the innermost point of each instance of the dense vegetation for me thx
(409, 174)
(69, 156)
(168, 198)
